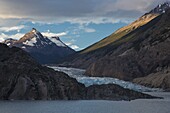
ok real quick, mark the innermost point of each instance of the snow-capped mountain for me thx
(10, 41)
(44, 49)
(35, 39)
(161, 8)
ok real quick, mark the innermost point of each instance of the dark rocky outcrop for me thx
(159, 79)
(113, 92)
(22, 78)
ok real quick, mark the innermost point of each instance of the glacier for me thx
(78, 74)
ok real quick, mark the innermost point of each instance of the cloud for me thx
(4, 36)
(75, 11)
(89, 30)
(80, 28)
(14, 28)
(68, 43)
(50, 34)
(90, 19)
(74, 47)
(1, 40)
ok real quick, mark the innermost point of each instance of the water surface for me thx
(93, 106)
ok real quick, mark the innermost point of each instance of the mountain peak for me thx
(43, 49)
(144, 19)
(34, 30)
(161, 8)
(55, 37)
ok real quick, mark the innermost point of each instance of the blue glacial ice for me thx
(78, 74)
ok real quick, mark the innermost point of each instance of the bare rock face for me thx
(22, 78)
(19, 89)
(159, 80)
(113, 92)
(42, 90)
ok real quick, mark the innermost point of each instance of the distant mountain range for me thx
(45, 50)
(138, 50)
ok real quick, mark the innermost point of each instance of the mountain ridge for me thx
(135, 54)
(127, 29)
(89, 51)
(139, 57)
(44, 49)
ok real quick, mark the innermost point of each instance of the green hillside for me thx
(121, 33)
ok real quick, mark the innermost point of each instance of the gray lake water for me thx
(93, 106)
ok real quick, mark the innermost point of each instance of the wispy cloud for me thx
(13, 28)
(72, 45)
(50, 34)
(81, 28)
(89, 30)
(4, 36)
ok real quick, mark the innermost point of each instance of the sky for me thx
(78, 23)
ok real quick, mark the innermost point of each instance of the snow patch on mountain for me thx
(34, 30)
(44, 40)
(35, 39)
(161, 8)
(31, 42)
(57, 41)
